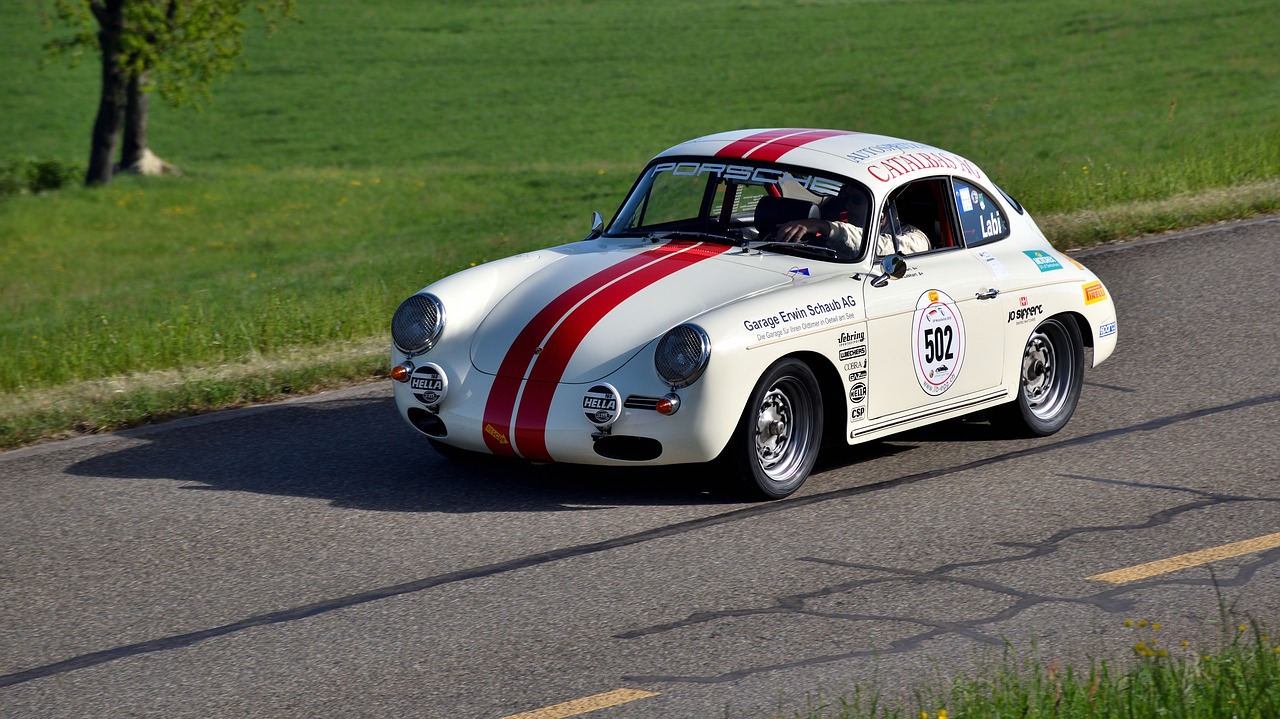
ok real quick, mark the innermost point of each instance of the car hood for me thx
(582, 316)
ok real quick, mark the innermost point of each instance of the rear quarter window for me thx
(981, 219)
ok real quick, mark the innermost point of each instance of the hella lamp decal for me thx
(601, 405)
(429, 384)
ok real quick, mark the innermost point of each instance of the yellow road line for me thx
(1194, 559)
(584, 705)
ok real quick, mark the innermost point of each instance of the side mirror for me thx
(894, 266)
(597, 226)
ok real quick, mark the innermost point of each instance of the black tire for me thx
(1049, 381)
(780, 432)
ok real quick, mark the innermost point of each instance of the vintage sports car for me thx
(758, 294)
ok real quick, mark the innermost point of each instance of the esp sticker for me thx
(937, 337)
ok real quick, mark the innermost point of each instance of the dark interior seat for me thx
(773, 211)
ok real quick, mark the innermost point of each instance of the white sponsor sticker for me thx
(997, 268)
(937, 342)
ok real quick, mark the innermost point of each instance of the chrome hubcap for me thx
(1046, 376)
(773, 434)
(784, 430)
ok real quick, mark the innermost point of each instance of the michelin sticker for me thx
(937, 337)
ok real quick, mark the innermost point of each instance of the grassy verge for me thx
(1240, 680)
(113, 403)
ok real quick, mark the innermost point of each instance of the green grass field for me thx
(380, 145)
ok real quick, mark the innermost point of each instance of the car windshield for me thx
(746, 203)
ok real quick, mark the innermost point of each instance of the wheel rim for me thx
(783, 430)
(1047, 370)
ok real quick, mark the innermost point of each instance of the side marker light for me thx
(669, 404)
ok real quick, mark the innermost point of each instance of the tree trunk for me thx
(135, 124)
(106, 128)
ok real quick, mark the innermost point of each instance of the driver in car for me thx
(843, 218)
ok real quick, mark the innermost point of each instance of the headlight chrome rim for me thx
(682, 355)
(417, 323)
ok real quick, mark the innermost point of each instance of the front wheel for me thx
(778, 437)
(1049, 381)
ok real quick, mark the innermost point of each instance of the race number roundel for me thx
(937, 337)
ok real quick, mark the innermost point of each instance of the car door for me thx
(935, 336)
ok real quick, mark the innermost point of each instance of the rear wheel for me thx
(1049, 382)
(778, 437)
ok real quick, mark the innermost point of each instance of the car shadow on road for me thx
(357, 453)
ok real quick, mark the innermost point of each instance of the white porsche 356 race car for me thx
(758, 294)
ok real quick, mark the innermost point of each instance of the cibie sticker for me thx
(937, 337)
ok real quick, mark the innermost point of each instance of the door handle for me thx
(988, 295)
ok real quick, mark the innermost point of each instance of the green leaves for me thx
(176, 49)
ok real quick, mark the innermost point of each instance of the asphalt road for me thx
(317, 558)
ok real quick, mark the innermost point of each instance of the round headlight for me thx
(417, 323)
(682, 355)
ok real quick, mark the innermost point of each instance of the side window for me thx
(981, 219)
(917, 216)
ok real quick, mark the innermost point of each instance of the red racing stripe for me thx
(773, 150)
(535, 402)
(743, 147)
(500, 405)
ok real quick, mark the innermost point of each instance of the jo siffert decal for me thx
(937, 337)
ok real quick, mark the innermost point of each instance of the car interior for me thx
(924, 205)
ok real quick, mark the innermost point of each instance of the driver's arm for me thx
(798, 230)
(843, 237)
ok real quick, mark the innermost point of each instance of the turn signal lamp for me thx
(669, 404)
(401, 372)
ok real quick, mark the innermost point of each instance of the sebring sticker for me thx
(937, 338)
